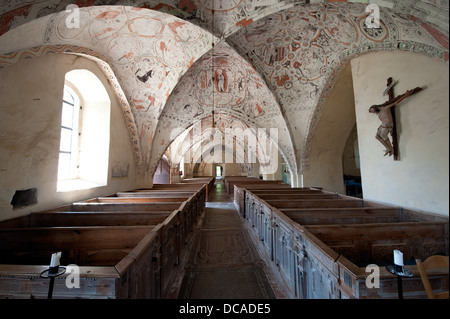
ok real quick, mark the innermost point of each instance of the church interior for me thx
(168, 147)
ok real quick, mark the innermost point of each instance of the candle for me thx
(398, 257)
(55, 259)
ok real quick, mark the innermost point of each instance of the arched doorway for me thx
(162, 173)
(351, 166)
(331, 134)
(219, 171)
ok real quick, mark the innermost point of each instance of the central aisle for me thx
(223, 263)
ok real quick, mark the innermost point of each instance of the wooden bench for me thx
(133, 206)
(349, 215)
(156, 194)
(73, 219)
(321, 250)
(138, 199)
(270, 185)
(316, 203)
(230, 181)
(282, 189)
(24, 282)
(178, 230)
(373, 244)
(84, 245)
(192, 184)
(204, 179)
(132, 249)
(240, 189)
(295, 197)
(141, 266)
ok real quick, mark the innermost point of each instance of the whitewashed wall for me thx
(30, 121)
(420, 179)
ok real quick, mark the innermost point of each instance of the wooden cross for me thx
(390, 104)
(390, 90)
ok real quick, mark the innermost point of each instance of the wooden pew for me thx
(278, 191)
(267, 186)
(230, 181)
(296, 197)
(204, 179)
(137, 199)
(24, 282)
(349, 215)
(156, 194)
(97, 207)
(87, 246)
(186, 185)
(281, 189)
(73, 219)
(316, 203)
(141, 270)
(121, 280)
(134, 262)
(373, 244)
(177, 229)
(306, 266)
(241, 187)
(178, 194)
(332, 243)
(208, 181)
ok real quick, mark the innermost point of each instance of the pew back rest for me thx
(351, 215)
(80, 245)
(73, 219)
(101, 207)
(153, 194)
(137, 199)
(374, 243)
(315, 203)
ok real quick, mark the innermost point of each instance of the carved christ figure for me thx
(387, 124)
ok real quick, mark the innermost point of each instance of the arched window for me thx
(68, 149)
(85, 132)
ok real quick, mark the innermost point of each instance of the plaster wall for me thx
(234, 169)
(205, 170)
(350, 157)
(333, 129)
(420, 178)
(30, 121)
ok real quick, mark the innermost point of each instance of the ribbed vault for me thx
(268, 63)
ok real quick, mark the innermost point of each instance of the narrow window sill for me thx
(74, 185)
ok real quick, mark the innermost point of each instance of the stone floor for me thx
(223, 262)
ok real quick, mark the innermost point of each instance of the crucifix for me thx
(386, 114)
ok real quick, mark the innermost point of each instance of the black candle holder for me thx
(401, 272)
(52, 273)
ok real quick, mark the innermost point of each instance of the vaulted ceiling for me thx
(257, 64)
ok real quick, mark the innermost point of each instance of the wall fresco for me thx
(275, 65)
(300, 52)
(223, 82)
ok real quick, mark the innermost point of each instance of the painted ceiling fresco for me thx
(226, 84)
(265, 63)
(203, 139)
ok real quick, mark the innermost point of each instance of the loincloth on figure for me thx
(384, 130)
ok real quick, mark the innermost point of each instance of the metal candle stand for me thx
(52, 273)
(401, 272)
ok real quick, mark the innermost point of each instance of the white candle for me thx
(55, 259)
(398, 257)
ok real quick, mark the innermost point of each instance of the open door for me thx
(219, 171)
